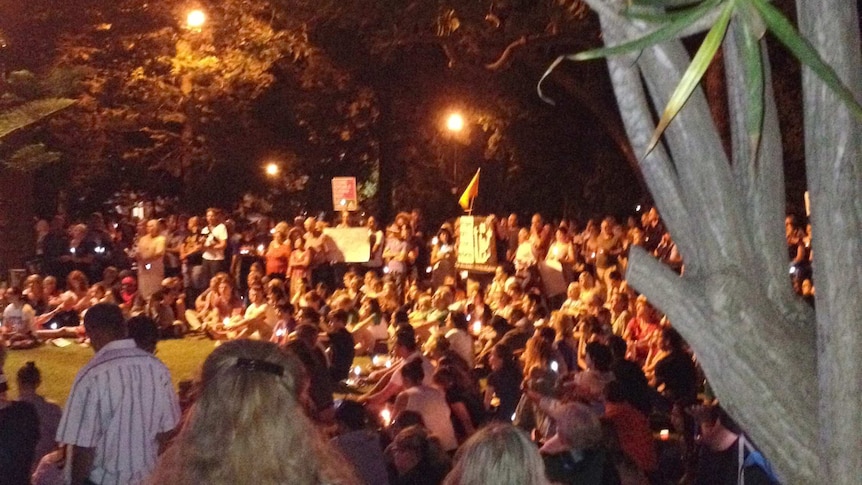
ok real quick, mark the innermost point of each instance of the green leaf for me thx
(806, 53)
(694, 73)
(32, 157)
(14, 119)
(651, 15)
(753, 68)
(658, 36)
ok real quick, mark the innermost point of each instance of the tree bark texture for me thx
(772, 366)
(833, 152)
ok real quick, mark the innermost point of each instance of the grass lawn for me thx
(59, 365)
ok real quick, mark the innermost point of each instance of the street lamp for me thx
(272, 169)
(455, 122)
(195, 20)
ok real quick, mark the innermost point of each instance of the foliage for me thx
(22, 115)
(755, 18)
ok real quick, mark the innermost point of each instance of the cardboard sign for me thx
(353, 244)
(344, 194)
(476, 244)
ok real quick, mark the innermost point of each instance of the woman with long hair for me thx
(248, 425)
(500, 454)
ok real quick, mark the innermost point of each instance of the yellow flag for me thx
(471, 192)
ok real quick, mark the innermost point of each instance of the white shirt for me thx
(431, 404)
(19, 319)
(461, 343)
(214, 235)
(120, 401)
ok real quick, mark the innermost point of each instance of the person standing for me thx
(151, 260)
(121, 408)
(215, 241)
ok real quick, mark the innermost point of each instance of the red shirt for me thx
(634, 434)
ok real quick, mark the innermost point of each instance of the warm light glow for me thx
(386, 416)
(272, 169)
(455, 122)
(196, 19)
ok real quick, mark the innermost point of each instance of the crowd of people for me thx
(442, 375)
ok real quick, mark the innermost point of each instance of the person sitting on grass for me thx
(341, 345)
(257, 322)
(18, 321)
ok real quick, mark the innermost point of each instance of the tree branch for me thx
(833, 151)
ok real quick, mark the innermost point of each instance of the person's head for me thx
(500, 454)
(444, 236)
(578, 427)
(129, 285)
(222, 437)
(307, 334)
(411, 446)
(413, 373)
(586, 280)
(153, 227)
(104, 323)
(33, 286)
(573, 291)
(617, 345)
(77, 282)
(49, 285)
(500, 356)
(351, 416)
(458, 320)
(405, 342)
(619, 301)
(714, 424)
(144, 331)
(13, 294)
(671, 340)
(213, 216)
(337, 319)
(109, 275)
(599, 356)
(29, 377)
(256, 294)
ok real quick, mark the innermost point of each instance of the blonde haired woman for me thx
(248, 425)
(500, 454)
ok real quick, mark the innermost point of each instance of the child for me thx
(18, 320)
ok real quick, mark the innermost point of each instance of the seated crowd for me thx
(466, 379)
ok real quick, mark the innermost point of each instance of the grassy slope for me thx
(59, 365)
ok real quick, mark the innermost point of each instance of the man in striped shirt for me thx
(121, 408)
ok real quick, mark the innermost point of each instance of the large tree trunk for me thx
(757, 343)
(833, 154)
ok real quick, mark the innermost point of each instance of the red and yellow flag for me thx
(472, 191)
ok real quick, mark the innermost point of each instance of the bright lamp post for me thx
(272, 169)
(455, 122)
(455, 125)
(195, 20)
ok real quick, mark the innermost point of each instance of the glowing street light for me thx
(455, 122)
(272, 169)
(196, 19)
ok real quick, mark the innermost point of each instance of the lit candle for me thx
(664, 434)
(357, 371)
(388, 362)
(477, 327)
(386, 416)
(260, 249)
